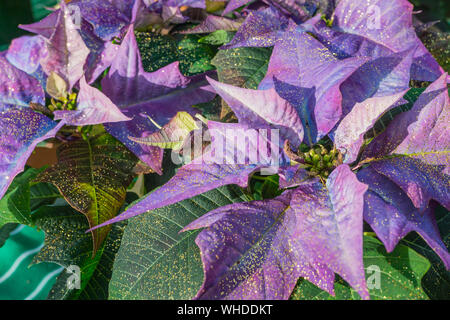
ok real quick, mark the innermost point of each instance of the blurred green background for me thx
(15, 12)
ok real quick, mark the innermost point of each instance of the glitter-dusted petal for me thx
(102, 53)
(234, 4)
(349, 135)
(17, 87)
(419, 180)
(20, 131)
(302, 61)
(331, 224)
(260, 29)
(257, 250)
(421, 132)
(189, 181)
(108, 18)
(292, 176)
(231, 165)
(238, 143)
(252, 251)
(26, 52)
(392, 215)
(93, 107)
(379, 77)
(45, 27)
(257, 108)
(428, 136)
(377, 28)
(67, 51)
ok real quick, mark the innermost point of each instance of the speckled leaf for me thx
(15, 205)
(217, 37)
(24, 196)
(401, 273)
(43, 194)
(67, 244)
(242, 67)
(93, 176)
(158, 51)
(438, 43)
(155, 261)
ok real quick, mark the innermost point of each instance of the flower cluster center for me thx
(65, 103)
(318, 160)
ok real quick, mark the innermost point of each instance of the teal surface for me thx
(19, 280)
(15, 12)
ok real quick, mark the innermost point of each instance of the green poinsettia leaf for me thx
(390, 276)
(211, 110)
(15, 204)
(218, 37)
(42, 194)
(265, 187)
(158, 51)
(242, 67)
(67, 244)
(93, 176)
(155, 261)
(5, 231)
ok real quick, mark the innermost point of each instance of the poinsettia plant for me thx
(241, 149)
